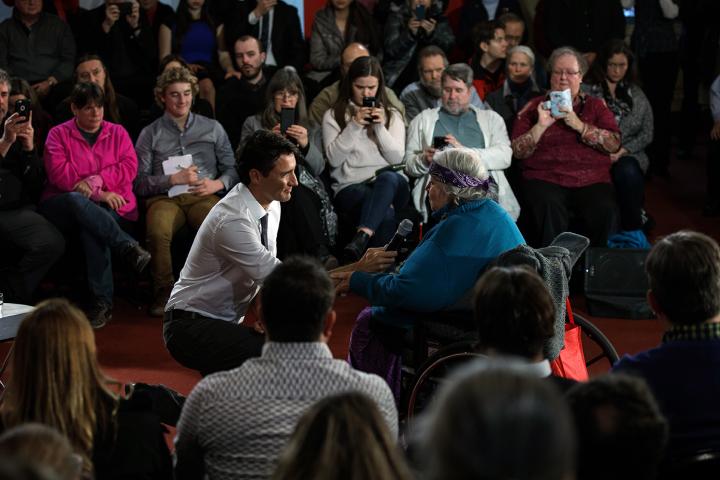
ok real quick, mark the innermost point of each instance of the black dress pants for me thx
(549, 208)
(40, 244)
(209, 345)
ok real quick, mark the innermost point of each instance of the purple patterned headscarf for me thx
(458, 179)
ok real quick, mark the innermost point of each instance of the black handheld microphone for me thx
(403, 231)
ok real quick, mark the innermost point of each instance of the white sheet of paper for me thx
(173, 165)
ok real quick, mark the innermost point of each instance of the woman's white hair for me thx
(527, 51)
(467, 161)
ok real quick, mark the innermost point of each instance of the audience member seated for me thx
(57, 381)
(359, 141)
(338, 24)
(209, 173)
(41, 120)
(712, 200)
(127, 46)
(515, 316)
(36, 46)
(328, 96)
(612, 78)
(117, 109)
(455, 124)
(496, 422)
(276, 24)
(518, 88)
(427, 92)
(472, 230)
(515, 35)
(37, 241)
(195, 37)
(240, 98)
(42, 446)
(90, 165)
(585, 26)
(620, 431)
(488, 61)
(565, 158)
(342, 437)
(308, 222)
(296, 369)
(474, 12)
(683, 272)
(416, 24)
(200, 106)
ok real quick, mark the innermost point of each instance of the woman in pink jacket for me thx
(91, 165)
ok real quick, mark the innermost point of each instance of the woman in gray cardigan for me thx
(612, 78)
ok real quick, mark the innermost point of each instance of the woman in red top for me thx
(565, 158)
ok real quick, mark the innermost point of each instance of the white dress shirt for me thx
(227, 262)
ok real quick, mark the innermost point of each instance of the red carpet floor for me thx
(131, 347)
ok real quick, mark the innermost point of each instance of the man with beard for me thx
(458, 124)
(426, 92)
(243, 97)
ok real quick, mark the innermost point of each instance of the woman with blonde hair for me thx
(342, 437)
(56, 381)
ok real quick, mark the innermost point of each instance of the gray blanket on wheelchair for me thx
(554, 264)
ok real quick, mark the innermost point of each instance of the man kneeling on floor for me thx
(234, 424)
(234, 250)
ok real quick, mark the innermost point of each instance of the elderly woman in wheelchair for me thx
(472, 231)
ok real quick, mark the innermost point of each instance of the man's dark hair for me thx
(683, 272)
(296, 298)
(500, 423)
(514, 311)
(431, 51)
(509, 17)
(621, 432)
(485, 31)
(87, 93)
(245, 38)
(261, 152)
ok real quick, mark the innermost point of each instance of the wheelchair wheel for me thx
(607, 350)
(433, 372)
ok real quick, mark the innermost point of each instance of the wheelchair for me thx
(440, 346)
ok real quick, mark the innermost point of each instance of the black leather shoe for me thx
(137, 257)
(99, 313)
(355, 249)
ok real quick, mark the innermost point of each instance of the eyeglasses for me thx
(617, 65)
(567, 73)
(286, 94)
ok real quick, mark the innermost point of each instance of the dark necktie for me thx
(263, 231)
(264, 28)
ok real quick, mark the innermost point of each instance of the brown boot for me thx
(157, 308)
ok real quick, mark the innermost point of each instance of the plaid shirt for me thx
(697, 332)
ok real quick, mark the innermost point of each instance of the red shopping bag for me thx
(571, 361)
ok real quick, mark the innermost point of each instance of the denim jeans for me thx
(376, 203)
(99, 233)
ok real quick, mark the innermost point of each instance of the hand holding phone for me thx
(125, 8)
(440, 142)
(369, 102)
(22, 108)
(287, 118)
